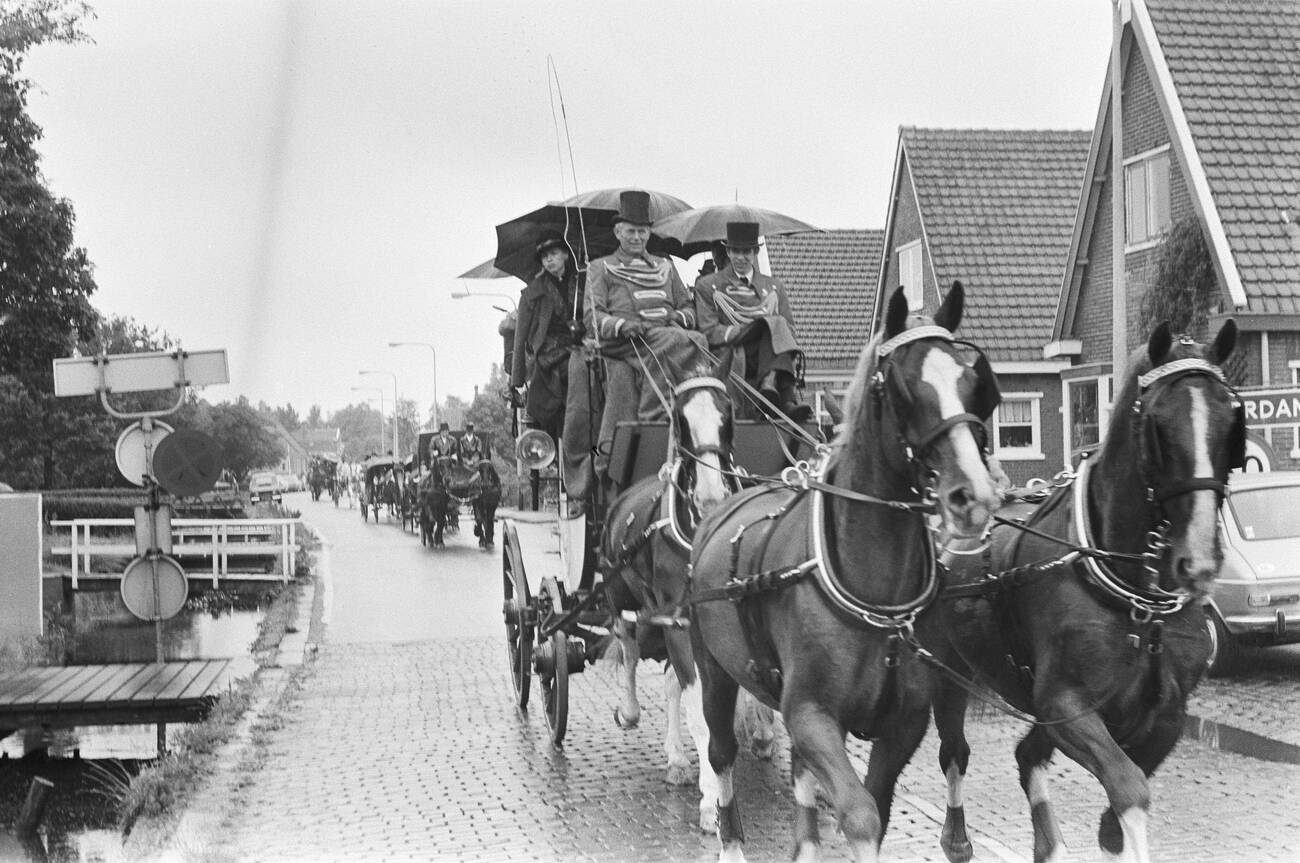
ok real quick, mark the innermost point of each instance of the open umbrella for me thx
(661, 205)
(486, 270)
(588, 231)
(690, 232)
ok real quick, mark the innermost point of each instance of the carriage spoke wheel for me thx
(517, 610)
(555, 684)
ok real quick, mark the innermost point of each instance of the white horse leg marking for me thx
(693, 702)
(705, 420)
(1036, 791)
(805, 796)
(942, 372)
(956, 797)
(629, 715)
(733, 852)
(1133, 823)
(679, 766)
(1203, 526)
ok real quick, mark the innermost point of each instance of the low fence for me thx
(223, 542)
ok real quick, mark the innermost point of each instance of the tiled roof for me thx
(998, 208)
(830, 277)
(1236, 70)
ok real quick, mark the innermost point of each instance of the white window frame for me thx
(1146, 161)
(914, 290)
(1033, 452)
(1105, 384)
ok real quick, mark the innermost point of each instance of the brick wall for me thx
(1092, 319)
(1050, 426)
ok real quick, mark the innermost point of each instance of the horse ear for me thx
(896, 316)
(1159, 343)
(949, 314)
(1224, 342)
(833, 407)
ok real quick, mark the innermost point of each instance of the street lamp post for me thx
(435, 371)
(393, 375)
(379, 390)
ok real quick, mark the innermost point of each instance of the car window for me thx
(1266, 513)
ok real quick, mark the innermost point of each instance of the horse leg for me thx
(891, 753)
(629, 715)
(1033, 754)
(954, 756)
(819, 738)
(679, 766)
(807, 836)
(1147, 755)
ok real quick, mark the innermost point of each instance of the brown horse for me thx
(1102, 648)
(805, 594)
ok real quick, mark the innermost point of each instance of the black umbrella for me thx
(690, 232)
(588, 231)
(661, 205)
(486, 270)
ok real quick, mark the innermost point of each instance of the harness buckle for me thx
(1140, 615)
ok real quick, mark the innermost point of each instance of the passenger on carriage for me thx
(472, 447)
(543, 335)
(643, 317)
(746, 314)
(443, 443)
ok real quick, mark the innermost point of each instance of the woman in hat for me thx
(548, 310)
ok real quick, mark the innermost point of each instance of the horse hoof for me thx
(763, 748)
(679, 774)
(1110, 838)
(625, 723)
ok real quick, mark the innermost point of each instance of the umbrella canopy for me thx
(693, 231)
(589, 232)
(661, 205)
(486, 270)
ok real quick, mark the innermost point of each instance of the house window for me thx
(1146, 197)
(1087, 402)
(909, 274)
(1017, 427)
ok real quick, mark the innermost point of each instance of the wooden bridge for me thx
(119, 694)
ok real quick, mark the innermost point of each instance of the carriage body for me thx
(377, 492)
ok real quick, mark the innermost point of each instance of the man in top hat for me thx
(747, 313)
(472, 447)
(443, 443)
(641, 313)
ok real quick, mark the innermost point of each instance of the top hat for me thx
(443, 427)
(548, 242)
(634, 207)
(742, 235)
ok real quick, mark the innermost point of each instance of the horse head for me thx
(702, 423)
(929, 398)
(1183, 433)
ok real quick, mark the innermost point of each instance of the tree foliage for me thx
(490, 412)
(1186, 290)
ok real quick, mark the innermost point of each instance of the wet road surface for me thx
(404, 744)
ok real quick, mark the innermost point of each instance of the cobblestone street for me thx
(404, 748)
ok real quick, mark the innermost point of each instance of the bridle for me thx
(693, 453)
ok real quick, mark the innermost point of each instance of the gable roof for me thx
(830, 278)
(1235, 72)
(997, 208)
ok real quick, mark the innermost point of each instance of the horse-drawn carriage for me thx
(322, 469)
(819, 587)
(381, 489)
(446, 483)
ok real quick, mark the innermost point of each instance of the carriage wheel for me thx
(517, 607)
(555, 687)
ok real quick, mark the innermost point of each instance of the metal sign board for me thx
(162, 526)
(134, 449)
(154, 588)
(187, 463)
(1271, 408)
(133, 373)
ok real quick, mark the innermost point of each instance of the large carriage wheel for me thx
(518, 610)
(555, 686)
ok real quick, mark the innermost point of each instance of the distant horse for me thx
(805, 593)
(486, 491)
(1093, 622)
(646, 548)
(435, 500)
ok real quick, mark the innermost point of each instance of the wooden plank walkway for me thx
(121, 694)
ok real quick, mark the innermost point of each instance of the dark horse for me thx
(1102, 649)
(485, 489)
(645, 551)
(435, 501)
(805, 593)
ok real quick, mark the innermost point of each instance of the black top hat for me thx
(443, 427)
(548, 242)
(634, 207)
(742, 235)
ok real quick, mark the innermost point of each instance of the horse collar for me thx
(1153, 602)
(671, 517)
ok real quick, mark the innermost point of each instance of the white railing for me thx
(220, 540)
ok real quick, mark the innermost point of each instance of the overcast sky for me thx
(300, 182)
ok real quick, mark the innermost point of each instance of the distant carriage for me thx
(321, 469)
(445, 485)
(381, 487)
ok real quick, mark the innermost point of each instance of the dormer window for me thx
(909, 274)
(1146, 198)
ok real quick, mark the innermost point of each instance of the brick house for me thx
(830, 277)
(1210, 131)
(994, 209)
